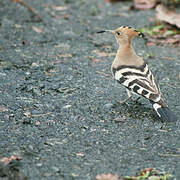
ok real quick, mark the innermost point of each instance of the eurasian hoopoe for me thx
(132, 72)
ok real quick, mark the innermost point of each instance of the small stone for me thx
(35, 64)
(108, 105)
(55, 169)
(28, 73)
(67, 106)
(39, 164)
(47, 174)
(27, 113)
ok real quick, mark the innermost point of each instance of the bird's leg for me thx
(129, 97)
(137, 100)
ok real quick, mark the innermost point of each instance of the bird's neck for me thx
(126, 50)
(126, 56)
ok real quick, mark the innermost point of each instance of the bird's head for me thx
(124, 34)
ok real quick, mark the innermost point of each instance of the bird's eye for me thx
(118, 33)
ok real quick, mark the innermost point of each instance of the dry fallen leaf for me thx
(94, 59)
(36, 29)
(8, 160)
(144, 4)
(107, 177)
(167, 16)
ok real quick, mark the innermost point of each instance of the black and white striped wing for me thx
(138, 80)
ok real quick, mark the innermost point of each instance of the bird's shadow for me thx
(135, 110)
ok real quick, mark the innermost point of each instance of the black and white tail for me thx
(164, 112)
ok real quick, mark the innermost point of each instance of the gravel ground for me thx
(59, 107)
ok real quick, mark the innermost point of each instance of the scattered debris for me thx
(27, 113)
(40, 115)
(144, 4)
(50, 8)
(173, 40)
(107, 177)
(147, 173)
(104, 74)
(28, 7)
(66, 90)
(8, 160)
(80, 154)
(163, 14)
(161, 35)
(108, 105)
(64, 55)
(67, 106)
(113, 1)
(93, 59)
(103, 54)
(59, 8)
(3, 108)
(36, 29)
(120, 119)
(37, 123)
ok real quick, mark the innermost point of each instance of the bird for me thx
(133, 72)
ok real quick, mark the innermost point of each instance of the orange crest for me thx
(131, 32)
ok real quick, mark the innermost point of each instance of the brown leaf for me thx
(167, 16)
(144, 4)
(36, 29)
(8, 160)
(94, 59)
(107, 177)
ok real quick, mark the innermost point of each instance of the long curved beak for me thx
(103, 31)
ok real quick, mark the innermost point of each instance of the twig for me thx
(29, 7)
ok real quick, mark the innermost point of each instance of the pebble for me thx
(67, 106)
(108, 105)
